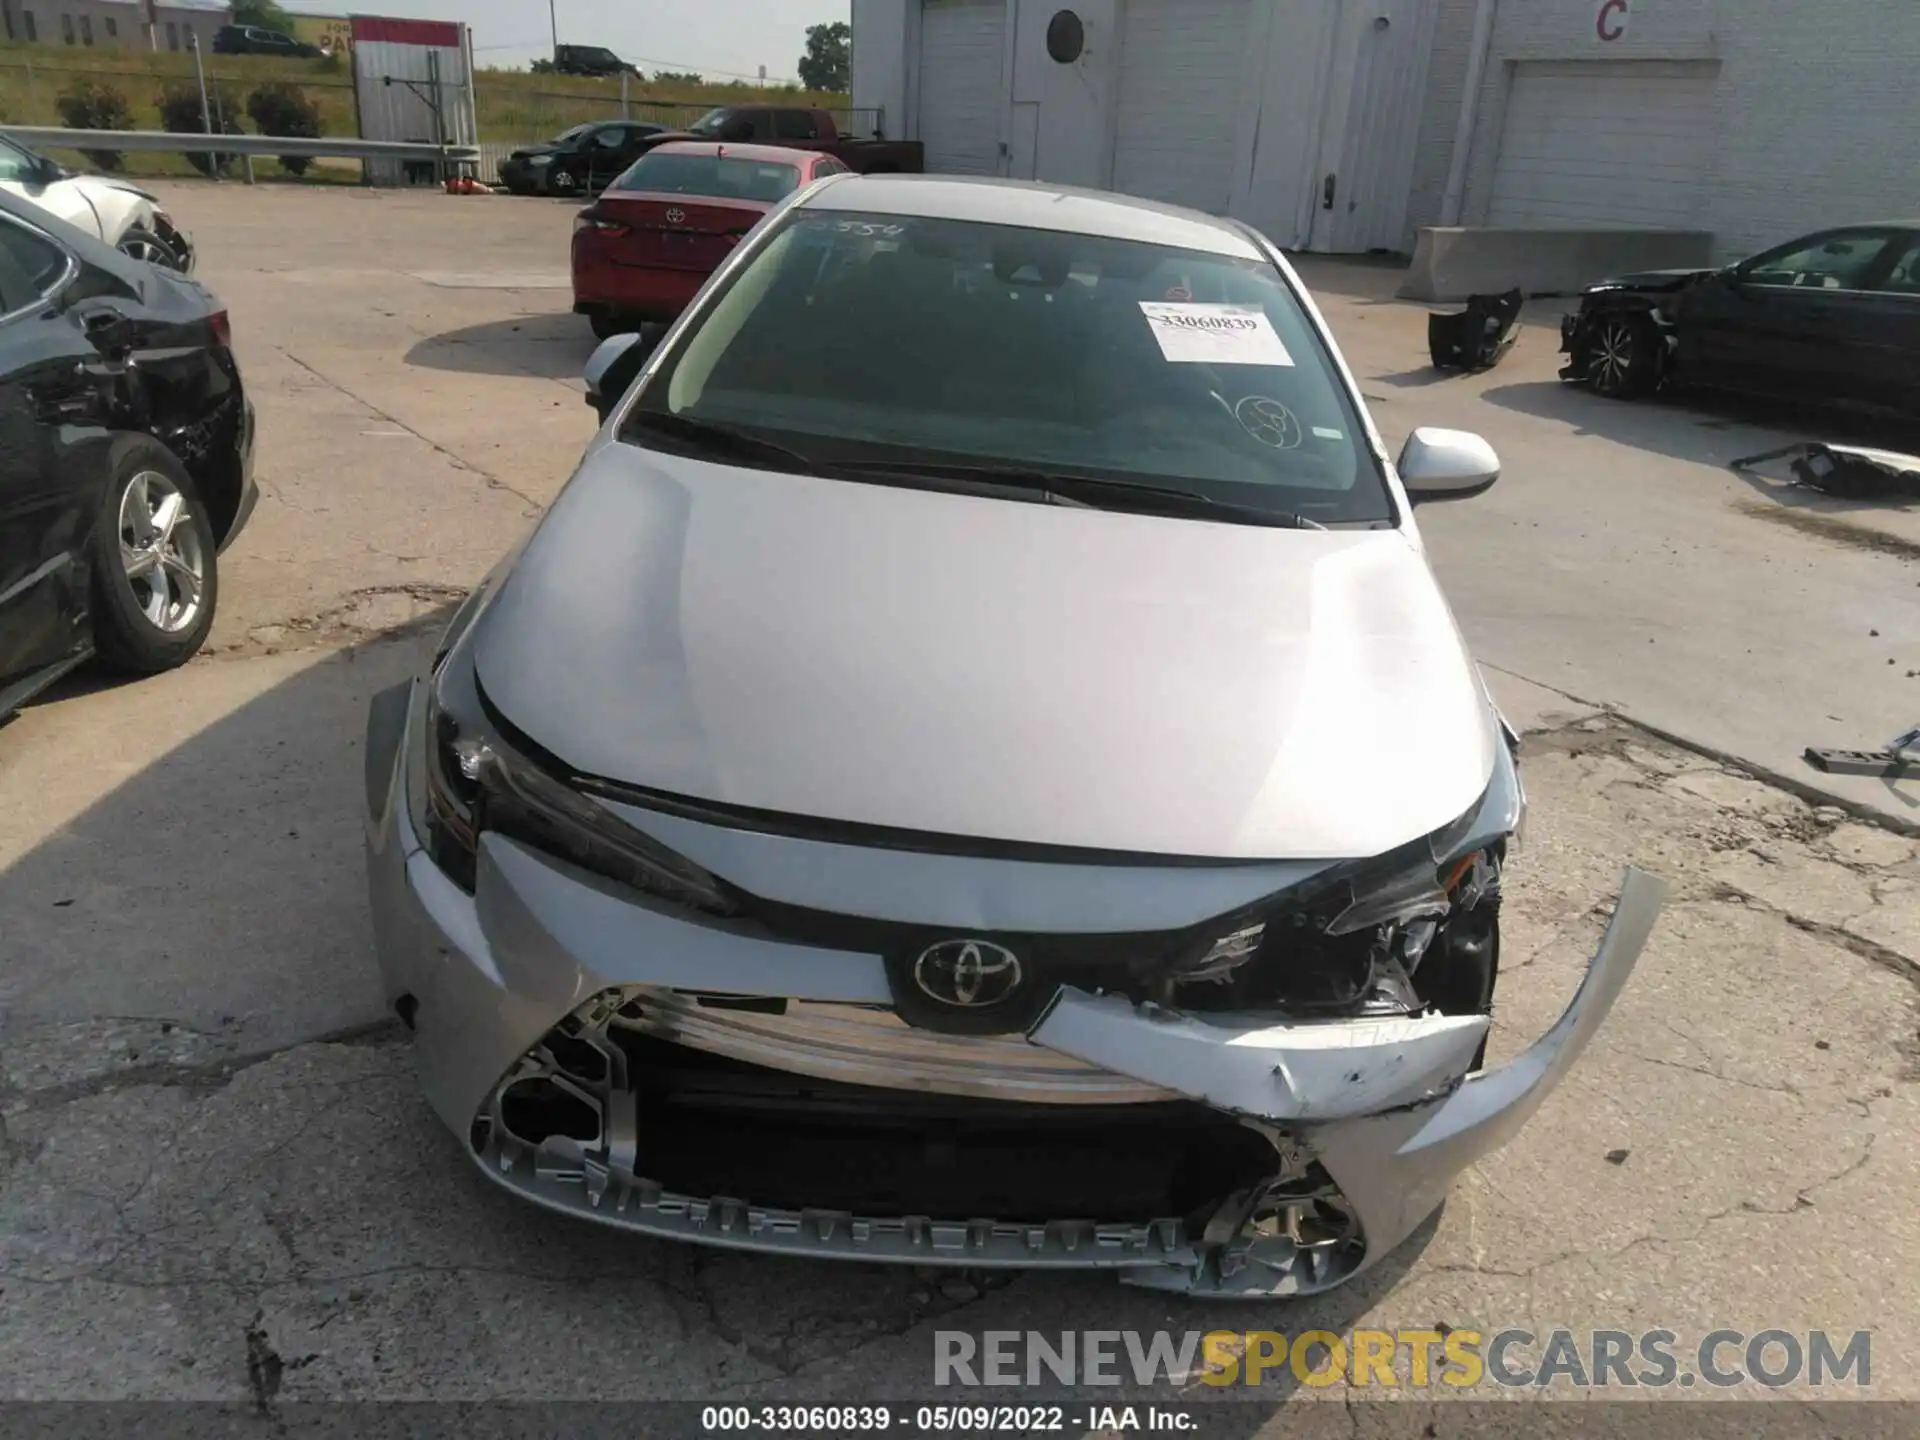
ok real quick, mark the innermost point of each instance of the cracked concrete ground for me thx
(217, 1179)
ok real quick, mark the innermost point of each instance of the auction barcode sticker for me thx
(1215, 334)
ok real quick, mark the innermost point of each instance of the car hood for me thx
(979, 667)
(107, 182)
(1652, 280)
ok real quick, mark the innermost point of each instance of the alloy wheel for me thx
(160, 551)
(139, 247)
(1612, 361)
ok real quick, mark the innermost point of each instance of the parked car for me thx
(589, 60)
(644, 249)
(579, 161)
(937, 785)
(802, 128)
(121, 214)
(1832, 316)
(256, 40)
(130, 445)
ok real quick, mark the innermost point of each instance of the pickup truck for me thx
(800, 128)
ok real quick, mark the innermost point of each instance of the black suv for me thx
(252, 40)
(589, 60)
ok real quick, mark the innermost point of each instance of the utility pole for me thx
(553, 19)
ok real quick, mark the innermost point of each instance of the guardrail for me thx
(248, 146)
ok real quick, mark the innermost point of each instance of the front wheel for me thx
(1623, 357)
(562, 181)
(138, 244)
(156, 575)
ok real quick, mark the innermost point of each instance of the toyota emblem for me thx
(676, 216)
(1268, 421)
(968, 974)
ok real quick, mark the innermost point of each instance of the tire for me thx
(138, 244)
(1623, 357)
(562, 181)
(154, 594)
(607, 324)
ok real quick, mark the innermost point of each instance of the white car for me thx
(123, 215)
(974, 769)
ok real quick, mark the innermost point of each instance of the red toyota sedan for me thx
(644, 249)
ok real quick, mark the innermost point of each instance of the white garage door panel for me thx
(962, 43)
(1180, 66)
(1606, 143)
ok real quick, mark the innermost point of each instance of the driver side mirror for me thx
(1440, 464)
(614, 364)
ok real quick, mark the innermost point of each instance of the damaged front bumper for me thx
(560, 1022)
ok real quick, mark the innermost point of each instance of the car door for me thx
(604, 153)
(46, 498)
(1787, 321)
(1886, 324)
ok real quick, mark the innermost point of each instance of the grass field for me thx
(512, 105)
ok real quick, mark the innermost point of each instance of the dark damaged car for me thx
(126, 445)
(1832, 317)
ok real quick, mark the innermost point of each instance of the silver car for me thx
(973, 769)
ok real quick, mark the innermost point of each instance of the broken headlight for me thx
(479, 780)
(1353, 938)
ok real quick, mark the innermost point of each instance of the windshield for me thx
(878, 338)
(709, 123)
(722, 177)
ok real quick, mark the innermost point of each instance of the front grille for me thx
(601, 1091)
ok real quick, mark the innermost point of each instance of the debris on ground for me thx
(1847, 472)
(1479, 337)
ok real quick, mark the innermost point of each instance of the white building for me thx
(1345, 124)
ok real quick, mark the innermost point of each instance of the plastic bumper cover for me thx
(1385, 1106)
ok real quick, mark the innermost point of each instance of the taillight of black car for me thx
(222, 328)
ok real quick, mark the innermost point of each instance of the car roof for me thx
(765, 154)
(1036, 206)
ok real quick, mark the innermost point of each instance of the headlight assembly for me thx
(478, 780)
(1353, 938)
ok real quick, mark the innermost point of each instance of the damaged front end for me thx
(642, 1019)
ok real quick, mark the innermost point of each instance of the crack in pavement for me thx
(169, 1074)
(460, 462)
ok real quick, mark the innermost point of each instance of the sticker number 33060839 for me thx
(1214, 334)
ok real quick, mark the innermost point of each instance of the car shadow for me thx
(554, 347)
(220, 885)
(1717, 430)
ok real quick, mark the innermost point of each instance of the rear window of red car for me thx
(720, 176)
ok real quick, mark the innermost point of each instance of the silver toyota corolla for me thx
(974, 768)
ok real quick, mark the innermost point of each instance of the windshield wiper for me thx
(722, 439)
(1096, 491)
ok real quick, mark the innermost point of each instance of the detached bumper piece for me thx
(1479, 337)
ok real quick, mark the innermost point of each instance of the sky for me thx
(720, 38)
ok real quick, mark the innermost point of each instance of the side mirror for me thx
(1446, 465)
(614, 364)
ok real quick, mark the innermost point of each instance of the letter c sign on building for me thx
(1611, 21)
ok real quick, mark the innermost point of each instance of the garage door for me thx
(962, 43)
(1602, 144)
(1180, 64)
